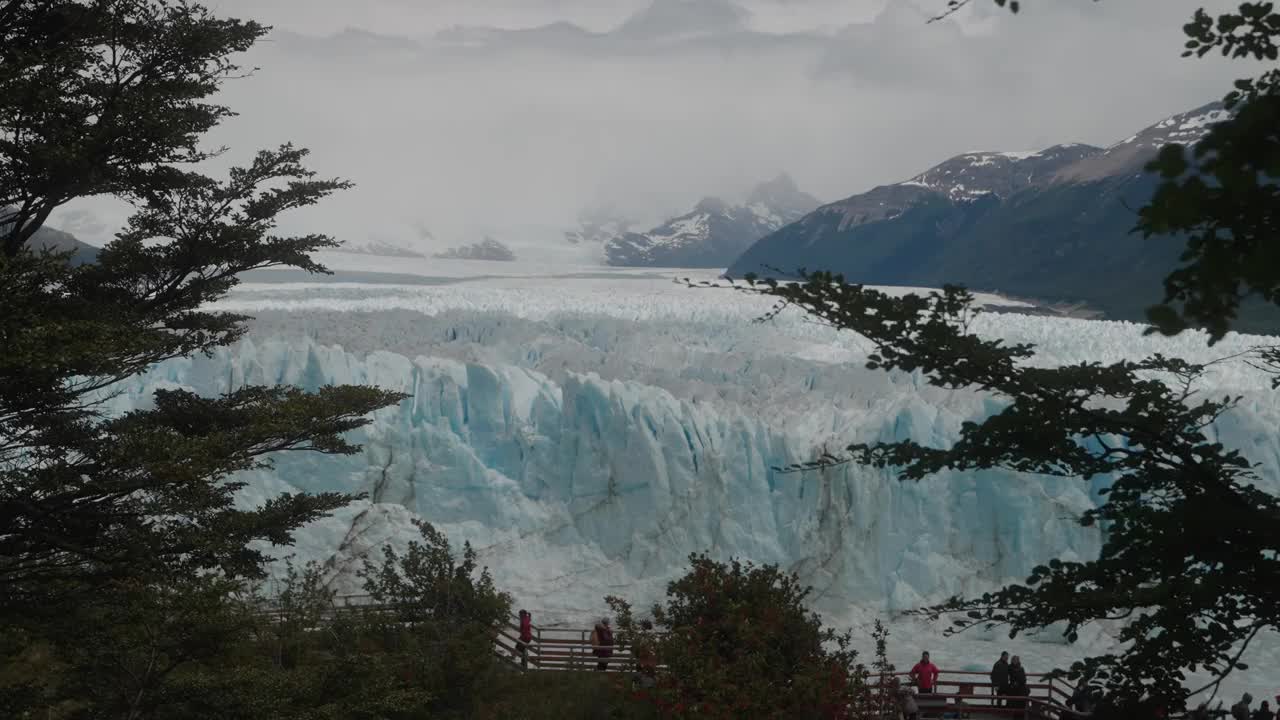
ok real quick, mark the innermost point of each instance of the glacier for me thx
(585, 434)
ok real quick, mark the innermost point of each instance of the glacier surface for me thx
(587, 434)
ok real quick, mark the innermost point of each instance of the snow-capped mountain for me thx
(1054, 225)
(379, 246)
(1002, 173)
(1131, 154)
(961, 178)
(487, 249)
(972, 175)
(715, 232)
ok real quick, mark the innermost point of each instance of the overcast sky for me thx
(514, 116)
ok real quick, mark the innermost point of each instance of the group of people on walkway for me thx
(1242, 710)
(602, 642)
(1008, 677)
(1008, 685)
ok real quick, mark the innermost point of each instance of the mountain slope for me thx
(57, 240)
(1054, 225)
(715, 232)
(47, 237)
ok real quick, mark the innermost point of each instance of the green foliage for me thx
(1225, 197)
(105, 97)
(735, 640)
(559, 696)
(443, 618)
(1190, 560)
(121, 546)
(284, 650)
(425, 650)
(428, 584)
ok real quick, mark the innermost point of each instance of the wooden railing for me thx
(971, 694)
(569, 650)
(565, 649)
(552, 648)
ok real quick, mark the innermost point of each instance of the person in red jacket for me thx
(526, 637)
(925, 675)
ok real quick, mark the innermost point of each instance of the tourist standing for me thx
(525, 637)
(1000, 678)
(602, 644)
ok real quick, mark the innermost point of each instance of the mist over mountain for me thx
(494, 118)
(486, 249)
(714, 232)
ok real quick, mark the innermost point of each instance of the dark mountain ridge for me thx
(1054, 225)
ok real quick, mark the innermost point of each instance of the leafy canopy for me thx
(1224, 195)
(1190, 559)
(736, 640)
(113, 523)
(446, 612)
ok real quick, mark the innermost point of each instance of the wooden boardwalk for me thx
(563, 649)
(960, 694)
(966, 694)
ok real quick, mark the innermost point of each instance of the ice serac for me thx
(571, 490)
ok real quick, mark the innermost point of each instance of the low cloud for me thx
(512, 117)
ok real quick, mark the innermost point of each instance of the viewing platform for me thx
(960, 694)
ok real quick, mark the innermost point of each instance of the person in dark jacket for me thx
(1085, 697)
(1240, 711)
(1000, 678)
(1017, 683)
(602, 644)
(1264, 712)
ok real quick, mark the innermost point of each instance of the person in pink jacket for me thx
(925, 675)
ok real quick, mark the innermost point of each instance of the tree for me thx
(442, 619)
(1225, 197)
(1190, 559)
(114, 514)
(735, 640)
(104, 96)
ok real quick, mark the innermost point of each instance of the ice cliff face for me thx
(623, 481)
(586, 433)
(586, 453)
